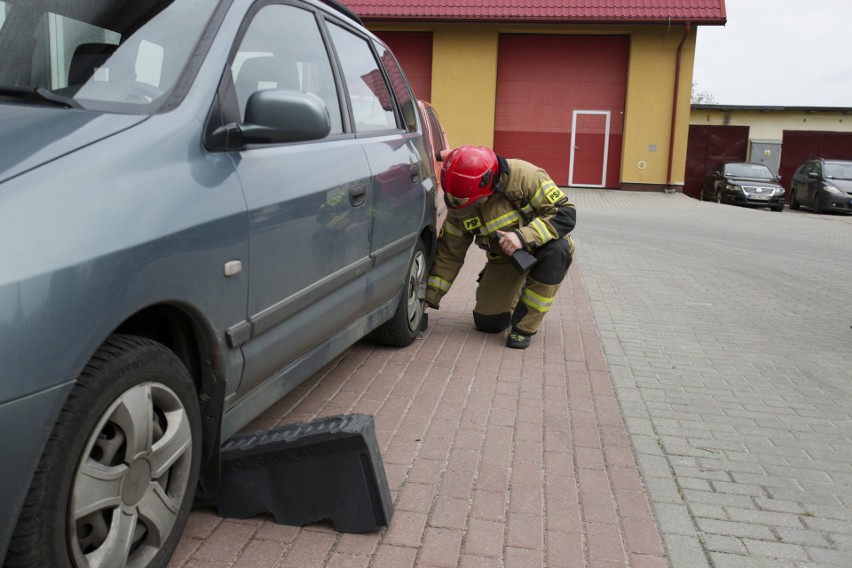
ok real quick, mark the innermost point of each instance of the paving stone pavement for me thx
(494, 456)
(727, 335)
(709, 344)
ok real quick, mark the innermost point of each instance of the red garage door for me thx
(799, 146)
(555, 90)
(413, 50)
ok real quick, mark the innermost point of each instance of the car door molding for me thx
(388, 252)
(275, 314)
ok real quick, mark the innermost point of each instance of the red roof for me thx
(585, 11)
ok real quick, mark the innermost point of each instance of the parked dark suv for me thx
(822, 185)
(201, 203)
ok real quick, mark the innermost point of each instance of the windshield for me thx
(114, 55)
(750, 171)
(838, 170)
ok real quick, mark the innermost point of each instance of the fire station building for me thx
(597, 93)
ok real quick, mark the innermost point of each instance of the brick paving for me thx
(495, 457)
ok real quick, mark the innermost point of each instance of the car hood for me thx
(751, 181)
(841, 184)
(35, 135)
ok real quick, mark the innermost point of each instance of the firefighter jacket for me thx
(528, 203)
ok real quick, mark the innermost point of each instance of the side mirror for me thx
(813, 175)
(275, 117)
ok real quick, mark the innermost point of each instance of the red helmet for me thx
(468, 173)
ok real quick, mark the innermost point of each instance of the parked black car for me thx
(822, 185)
(742, 183)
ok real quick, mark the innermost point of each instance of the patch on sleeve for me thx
(472, 224)
(554, 195)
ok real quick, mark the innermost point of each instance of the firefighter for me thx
(509, 208)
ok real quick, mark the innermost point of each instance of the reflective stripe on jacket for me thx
(529, 204)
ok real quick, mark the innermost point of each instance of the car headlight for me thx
(830, 188)
(778, 191)
(732, 187)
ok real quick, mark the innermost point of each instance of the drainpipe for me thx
(674, 102)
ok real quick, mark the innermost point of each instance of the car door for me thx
(813, 177)
(309, 203)
(795, 184)
(711, 183)
(384, 118)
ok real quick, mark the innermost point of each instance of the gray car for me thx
(201, 203)
(822, 185)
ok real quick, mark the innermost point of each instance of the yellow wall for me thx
(648, 112)
(464, 83)
(464, 86)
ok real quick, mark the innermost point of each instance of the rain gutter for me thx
(674, 101)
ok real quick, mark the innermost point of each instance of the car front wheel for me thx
(403, 328)
(116, 481)
(794, 203)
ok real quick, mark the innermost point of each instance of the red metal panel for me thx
(413, 50)
(662, 11)
(799, 146)
(542, 80)
(708, 145)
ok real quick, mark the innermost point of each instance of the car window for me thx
(283, 49)
(437, 139)
(106, 55)
(838, 170)
(403, 93)
(369, 96)
(751, 171)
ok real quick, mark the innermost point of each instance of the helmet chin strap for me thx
(503, 169)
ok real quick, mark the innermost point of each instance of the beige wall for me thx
(771, 124)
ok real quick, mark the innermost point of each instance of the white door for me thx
(589, 148)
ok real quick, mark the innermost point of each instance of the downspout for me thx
(674, 102)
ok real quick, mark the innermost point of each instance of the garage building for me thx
(599, 95)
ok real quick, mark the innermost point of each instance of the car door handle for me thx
(415, 174)
(357, 195)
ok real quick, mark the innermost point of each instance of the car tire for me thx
(404, 327)
(116, 481)
(718, 195)
(794, 203)
(818, 208)
(779, 208)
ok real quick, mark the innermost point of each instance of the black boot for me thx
(518, 340)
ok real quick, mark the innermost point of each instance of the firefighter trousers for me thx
(505, 296)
